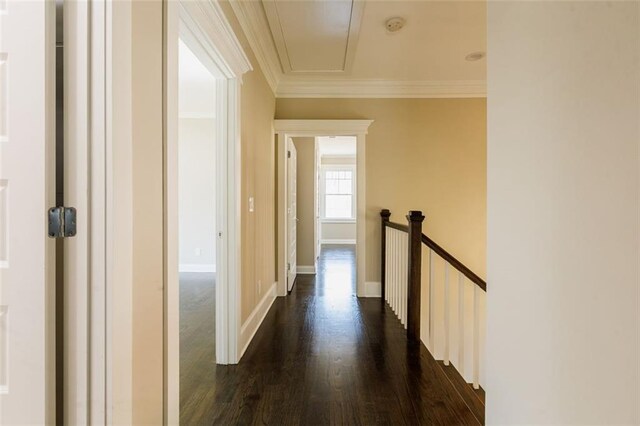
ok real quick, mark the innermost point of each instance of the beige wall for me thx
(421, 154)
(305, 148)
(258, 180)
(562, 302)
(147, 212)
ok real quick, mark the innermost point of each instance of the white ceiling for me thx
(338, 146)
(197, 86)
(314, 36)
(342, 47)
(431, 47)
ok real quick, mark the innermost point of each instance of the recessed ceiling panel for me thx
(314, 36)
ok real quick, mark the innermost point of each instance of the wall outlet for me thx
(251, 205)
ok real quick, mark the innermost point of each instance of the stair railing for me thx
(446, 314)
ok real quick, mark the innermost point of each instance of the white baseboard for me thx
(194, 267)
(326, 242)
(306, 269)
(252, 324)
(372, 289)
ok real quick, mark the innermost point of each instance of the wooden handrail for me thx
(398, 226)
(386, 214)
(454, 262)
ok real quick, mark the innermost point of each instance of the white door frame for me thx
(98, 182)
(205, 29)
(316, 204)
(313, 128)
(292, 268)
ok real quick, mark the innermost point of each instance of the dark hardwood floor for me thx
(323, 356)
(197, 342)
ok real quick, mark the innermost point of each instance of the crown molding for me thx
(206, 30)
(252, 19)
(353, 88)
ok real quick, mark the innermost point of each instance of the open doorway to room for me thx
(196, 224)
(321, 179)
(322, 214)
(321, 210)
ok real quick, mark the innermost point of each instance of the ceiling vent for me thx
(395, 24)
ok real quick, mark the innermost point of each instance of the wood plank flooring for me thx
(197, 342)
(324, 357)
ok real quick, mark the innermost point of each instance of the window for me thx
(338, 194)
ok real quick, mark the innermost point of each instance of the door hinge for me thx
(62, 222)
(288, 154)
(288, 266)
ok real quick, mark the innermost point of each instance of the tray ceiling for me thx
(341, 48)
(314, 36)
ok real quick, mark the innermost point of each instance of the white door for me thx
(292, 211)
(26, 258)
(318, 215)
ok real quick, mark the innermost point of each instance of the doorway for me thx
(356, 130)
(322, 202)
(202, 260)
(197, 224)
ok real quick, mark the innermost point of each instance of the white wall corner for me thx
(372, 289)
(306, 269)
(252, 324)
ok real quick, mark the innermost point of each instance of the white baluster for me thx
(476, 337)
(432, 272)
(461, 323)
(395, 273)
(400, 275)
(446, 313)
(387, 252)
(405, 278)
(394, 262)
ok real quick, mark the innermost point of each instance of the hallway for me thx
(323, 356)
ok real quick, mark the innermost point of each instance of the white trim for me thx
(379, 88)
(372, 289)
(252, 324)
(306, 270)
(215, 35)
(336, 241)
(253, 21)
(99, 178)
(312, 128)
(337, 221)
(316, 202)
(204, 28)
(194, 267)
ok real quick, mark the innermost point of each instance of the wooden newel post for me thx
(415, 219)
(385, 215)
